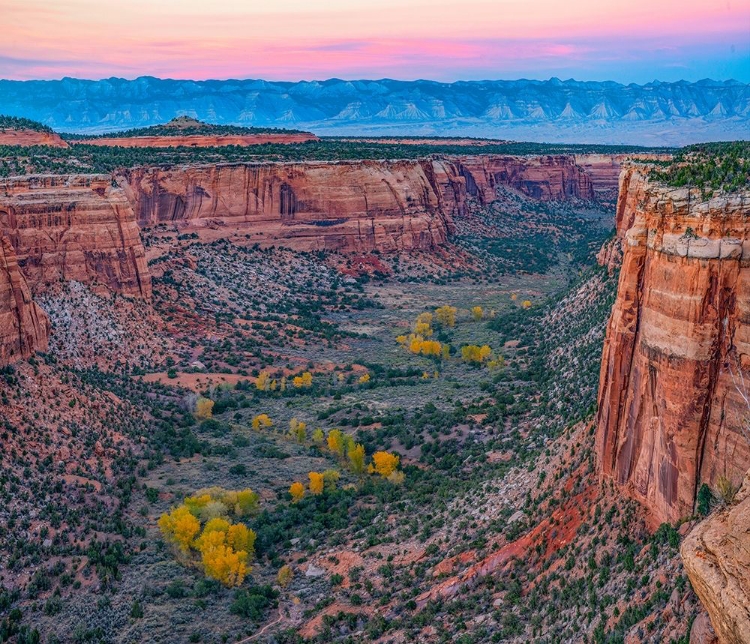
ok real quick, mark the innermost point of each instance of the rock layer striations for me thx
(671, 416)
(74, 228)
(24, 327)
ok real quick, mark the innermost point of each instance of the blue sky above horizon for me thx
(639, 42)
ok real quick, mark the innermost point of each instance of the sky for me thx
(445, 40)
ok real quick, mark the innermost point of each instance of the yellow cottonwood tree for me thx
(180, 527)
(241, 538)
(221, 561)
(336, 441)
(204, 408)
(285, 575)
(263, 381)
(331, 477)
(477, 312)
(297, 491)
(298, 430)
(446, 315)
(247, 502)
(384, 463)
(316, 482)
(356, 455)
(305, 380)
(262, 421)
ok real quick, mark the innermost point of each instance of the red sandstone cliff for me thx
(28, 138)
(546, 178)
(348, 206)
(197, 140)
(74, 228)
(670, 417)
(352, 206)
(24, 327)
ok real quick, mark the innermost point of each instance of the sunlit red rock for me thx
(670, 416)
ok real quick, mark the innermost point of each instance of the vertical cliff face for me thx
(546, 178)
(670, 416)
(24, 327)
(349, 206)
(74, 228)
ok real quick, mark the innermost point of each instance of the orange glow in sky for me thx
(295, 39)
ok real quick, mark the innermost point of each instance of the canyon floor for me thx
(500, 530)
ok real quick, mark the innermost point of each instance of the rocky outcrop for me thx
(74, 228)
(198, 140)
(27, 138)
(670, 416)
(24, 327)
(604, 169)
(716, 554)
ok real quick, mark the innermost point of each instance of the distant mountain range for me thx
(552, 110)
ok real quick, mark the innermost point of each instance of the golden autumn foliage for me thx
(401, 339)
(331, 477)
(477, 354)
(446, 315)
(217, 502)
(296, 491)
(425, 318)
(180, 527)
(204, 408)
(526, 304)
(319, 436)
(241, 538)
(221, 561)
(298, 430)
(263, 381)
(305, 380)
(285, 576)
(262, 421)
(477, 313)
(514, 296)
(317, 483)
(423, 329)
(364, 379)
(335, 441)
(224, 547)
(356, 456)
(384, 463)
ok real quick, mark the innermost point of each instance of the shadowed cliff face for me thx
(24, 327)
(74, 228)
(670, 417)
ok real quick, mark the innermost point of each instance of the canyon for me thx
(87, 228)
